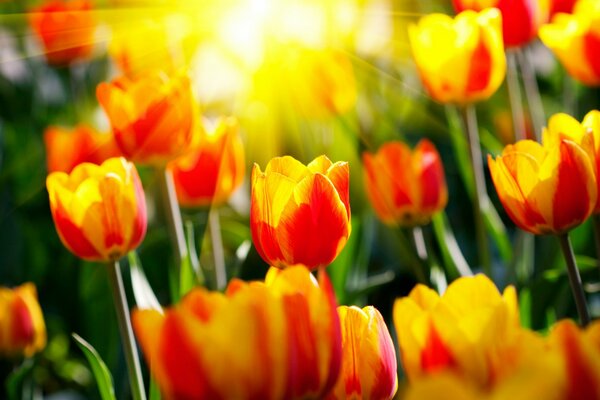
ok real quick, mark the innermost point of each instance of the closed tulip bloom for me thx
(546, 189)
(211, 172)
(67, 148)
(405, 187)
(274, 340)
(300, 214)
(65, 28)
(471, 330)
(460, 60)
(575, 41)
(368, 358)
(152, 116)
(22, 328)
(99, 210)
(521, 19)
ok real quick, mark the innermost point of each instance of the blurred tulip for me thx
(547, 189)
(564, 127)
(66, 148)
(99, 210)
(300, 214)
(405, 187)
(471, 330)
(460, 60)
(210, 173)
(561, 6)
(65, 28)
(575, 41)
(521, 19)
(152, 117)
(274, 340)
(368, 358)
(22, 328)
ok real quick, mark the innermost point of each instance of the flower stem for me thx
(574, 279)
(532, 92)
(124, 321)
(214, 226)
(480, 199)
(514, 95)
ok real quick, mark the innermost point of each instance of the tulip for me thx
(274, 340)
(405, 187)
(460, 60)
(471, 330)
(66, 30)
(575, 41)
(300, 214)
(546, 189)
(210, 173)
(521, 19)
(152, 116)
(22, 328)
(66, 148)
(99, 210)
(368, 358)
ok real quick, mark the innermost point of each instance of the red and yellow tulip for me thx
(368, 356)
(65, 28)
(575, 41)
(550, 188)
(67, 148)
(22, 328)
(460, 60)
(521, 19)
(471, 330)
(405, 187)
(99, 210)
(300, 214)
(152, 116)
(210, 173)
(274, 340)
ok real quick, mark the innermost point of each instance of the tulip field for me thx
(299, 199)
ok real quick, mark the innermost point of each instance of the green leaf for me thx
(99, 369)
(154, 390)
(339, 269)
(454, 261)
(14, 381)
(142, 291)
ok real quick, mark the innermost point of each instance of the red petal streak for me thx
(481, 67)
(23, 331)
(72, 235)
(435, 356)
(591, 49)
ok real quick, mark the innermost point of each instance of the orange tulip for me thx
(66, 29)
(22, 328)
(460, 60)
(521, 19)
(546, 189)
(152, 117)
(368, 358)
(471, 330)
(300, 214)
(214, 170)
(575, 41)
(66, 148)
(274, 340)
(405, 187)
(99, 210)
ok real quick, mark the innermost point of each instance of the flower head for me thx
(460, 60)
(22, 328)
(274, 340)
(211, 172)
(152, 116)
(300, 214)
(405, 187)
(65, 28)
(99, 210)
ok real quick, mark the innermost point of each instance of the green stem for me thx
(480, 198)
(214, 227)
(514, 96)
(596, 223)
(574, 279)
(124, 321)
(419, 243)
(436, 274)
(532, 91)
